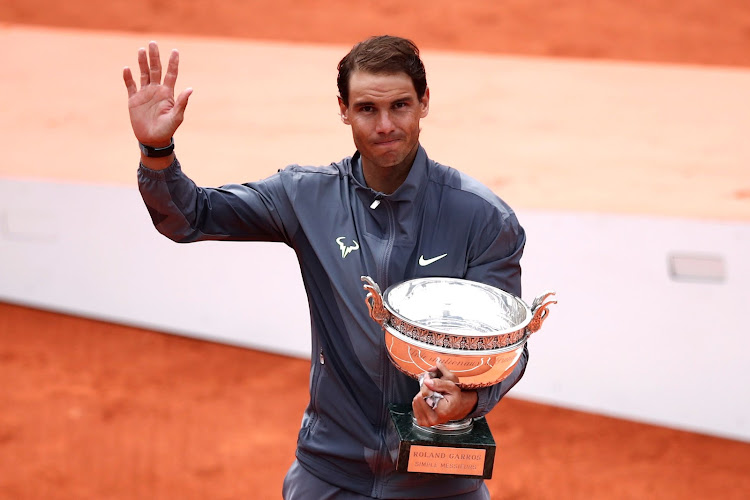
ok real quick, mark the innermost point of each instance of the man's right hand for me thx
(154, 112)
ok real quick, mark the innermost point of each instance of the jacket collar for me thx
(411, 190)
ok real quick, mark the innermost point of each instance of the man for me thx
(388, 212)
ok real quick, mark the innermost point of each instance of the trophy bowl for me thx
(474, 369)
(455, 313)
(476, 330)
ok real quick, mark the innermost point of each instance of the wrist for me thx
(472, 400)
(157, 163)
(157, 150)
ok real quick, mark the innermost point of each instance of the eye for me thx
(366, 109)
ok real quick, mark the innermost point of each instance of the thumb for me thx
(181, 102)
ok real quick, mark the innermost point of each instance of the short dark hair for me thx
(382, 54)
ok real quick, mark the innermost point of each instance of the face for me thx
(384, 114)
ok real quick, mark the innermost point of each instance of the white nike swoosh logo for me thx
(426, 262)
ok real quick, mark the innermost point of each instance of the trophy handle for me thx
(540, 311)
(374, 301)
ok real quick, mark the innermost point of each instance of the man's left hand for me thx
(455, 404)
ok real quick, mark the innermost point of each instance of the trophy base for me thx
(468, 452)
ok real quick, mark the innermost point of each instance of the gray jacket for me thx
(340, 230)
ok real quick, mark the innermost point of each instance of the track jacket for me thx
(439, 222)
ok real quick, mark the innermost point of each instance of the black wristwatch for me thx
(157, 152)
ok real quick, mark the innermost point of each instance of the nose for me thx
(384, 123)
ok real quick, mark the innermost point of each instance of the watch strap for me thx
(150, 152)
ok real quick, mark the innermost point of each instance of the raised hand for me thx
(154, 112)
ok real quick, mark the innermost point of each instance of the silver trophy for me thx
(478, 332)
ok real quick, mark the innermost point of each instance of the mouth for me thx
(386, 143)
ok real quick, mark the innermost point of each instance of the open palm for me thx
(154, 112)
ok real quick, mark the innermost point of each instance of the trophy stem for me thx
(452, 428)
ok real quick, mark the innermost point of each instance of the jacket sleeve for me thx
(496, 261)
(184, 212)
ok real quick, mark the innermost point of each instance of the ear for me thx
(343, 111)
(425, 103)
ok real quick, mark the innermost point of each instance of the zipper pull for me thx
(375, 203)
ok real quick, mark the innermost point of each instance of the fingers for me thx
(143, 66)
(453, 405)
(154, 68)
(446, 374)
(423, 414)
(444, 411)
(441, 385)
(170, 78)
(424, 390)
(127, 76)
(149, 64)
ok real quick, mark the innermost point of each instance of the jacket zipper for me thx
(384, 361)
(317, 373)
(389, 246)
